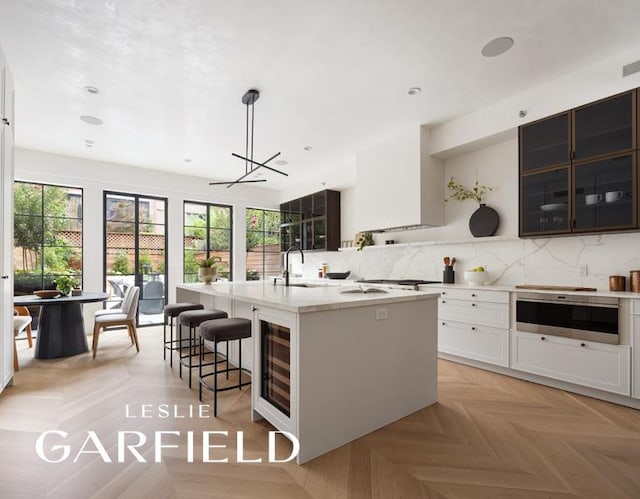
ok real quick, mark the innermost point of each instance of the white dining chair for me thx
(126, 318)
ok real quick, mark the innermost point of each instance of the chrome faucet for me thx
(286, 263)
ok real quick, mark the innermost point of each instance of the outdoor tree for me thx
(31, 230)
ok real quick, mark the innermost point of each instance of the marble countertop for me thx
(511, 289)
(324, 296)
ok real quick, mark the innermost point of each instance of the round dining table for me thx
(61, 326)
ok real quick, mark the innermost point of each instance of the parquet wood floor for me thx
(489, 436)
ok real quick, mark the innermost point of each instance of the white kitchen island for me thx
(327, 366)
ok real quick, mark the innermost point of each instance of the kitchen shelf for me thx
(491, 239)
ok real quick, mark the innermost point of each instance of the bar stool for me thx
(193, 319)
(172, 311)
(233, 328)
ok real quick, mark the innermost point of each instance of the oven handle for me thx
(581, 303)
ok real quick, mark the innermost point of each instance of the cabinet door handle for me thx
(473, 295)
(254, 309)
(443, 293)
(542, 338)
(6, 121)
(444, 323)
(473, 328)
(583, 344)
(444, 301)
(473, 304)
(5, 277)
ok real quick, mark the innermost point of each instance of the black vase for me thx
(484, 221)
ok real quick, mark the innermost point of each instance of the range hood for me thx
(399, 185)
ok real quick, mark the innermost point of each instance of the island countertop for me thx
(301, 300)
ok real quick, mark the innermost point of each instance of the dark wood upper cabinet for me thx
(545, 143)
(315, 226)
(605, 127)
(578, 169)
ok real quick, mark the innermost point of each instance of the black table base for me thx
(61, 326)
(61, 331)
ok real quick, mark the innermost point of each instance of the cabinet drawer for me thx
(635, 308)
(476, 295)
(597, 365)
(486, 344)
(479, 313)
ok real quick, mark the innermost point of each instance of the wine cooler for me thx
(276, 365)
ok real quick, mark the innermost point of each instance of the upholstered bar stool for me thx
(172, 311)
(233, 328)
(192, 319)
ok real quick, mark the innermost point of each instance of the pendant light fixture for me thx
(250, 166)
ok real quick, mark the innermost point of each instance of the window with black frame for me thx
(47, 232)
(207, 234)
(263, 243)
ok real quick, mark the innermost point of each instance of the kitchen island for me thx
(330, 365)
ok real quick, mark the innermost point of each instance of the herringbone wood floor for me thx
(489, 436)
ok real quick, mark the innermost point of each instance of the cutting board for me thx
(553, 288)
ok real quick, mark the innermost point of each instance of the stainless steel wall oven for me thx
(593, 318)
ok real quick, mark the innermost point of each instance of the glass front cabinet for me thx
(311, 222)
(578, 169)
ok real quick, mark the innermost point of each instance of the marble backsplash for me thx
(509, 261)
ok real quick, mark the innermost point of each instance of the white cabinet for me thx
(635, 342)
(483, 343)
(475, 325)
(596, 365)
(6, 222)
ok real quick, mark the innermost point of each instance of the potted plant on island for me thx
(65, 284)
(208, 269)
(484, 221)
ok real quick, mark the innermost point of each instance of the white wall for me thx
(571, 90)
(95, 177)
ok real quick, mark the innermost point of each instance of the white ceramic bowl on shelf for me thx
(478, 278)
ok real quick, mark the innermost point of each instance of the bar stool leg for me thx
(192, 331)
(164, 339)
(239, 365)
(171, 339)
(201, 358)
(179, 340)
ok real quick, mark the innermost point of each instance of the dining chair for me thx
(118, 310)
(126, 318)
(21, 322)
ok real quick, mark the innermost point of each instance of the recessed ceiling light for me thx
(281, 162)
(90, 141)
(88, 145)
(414, 90)
(92, 90)
(187, 160)
(307, 148)
(497, 46)
(91, 120)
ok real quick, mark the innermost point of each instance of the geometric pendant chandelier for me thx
(250, 166)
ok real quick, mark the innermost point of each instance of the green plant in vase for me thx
(208, 269)
(485, 220)
(65, 284)
(364, 239)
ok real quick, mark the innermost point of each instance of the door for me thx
(135, 252)
(6, 225)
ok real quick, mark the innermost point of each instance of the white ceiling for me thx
(332, 74)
